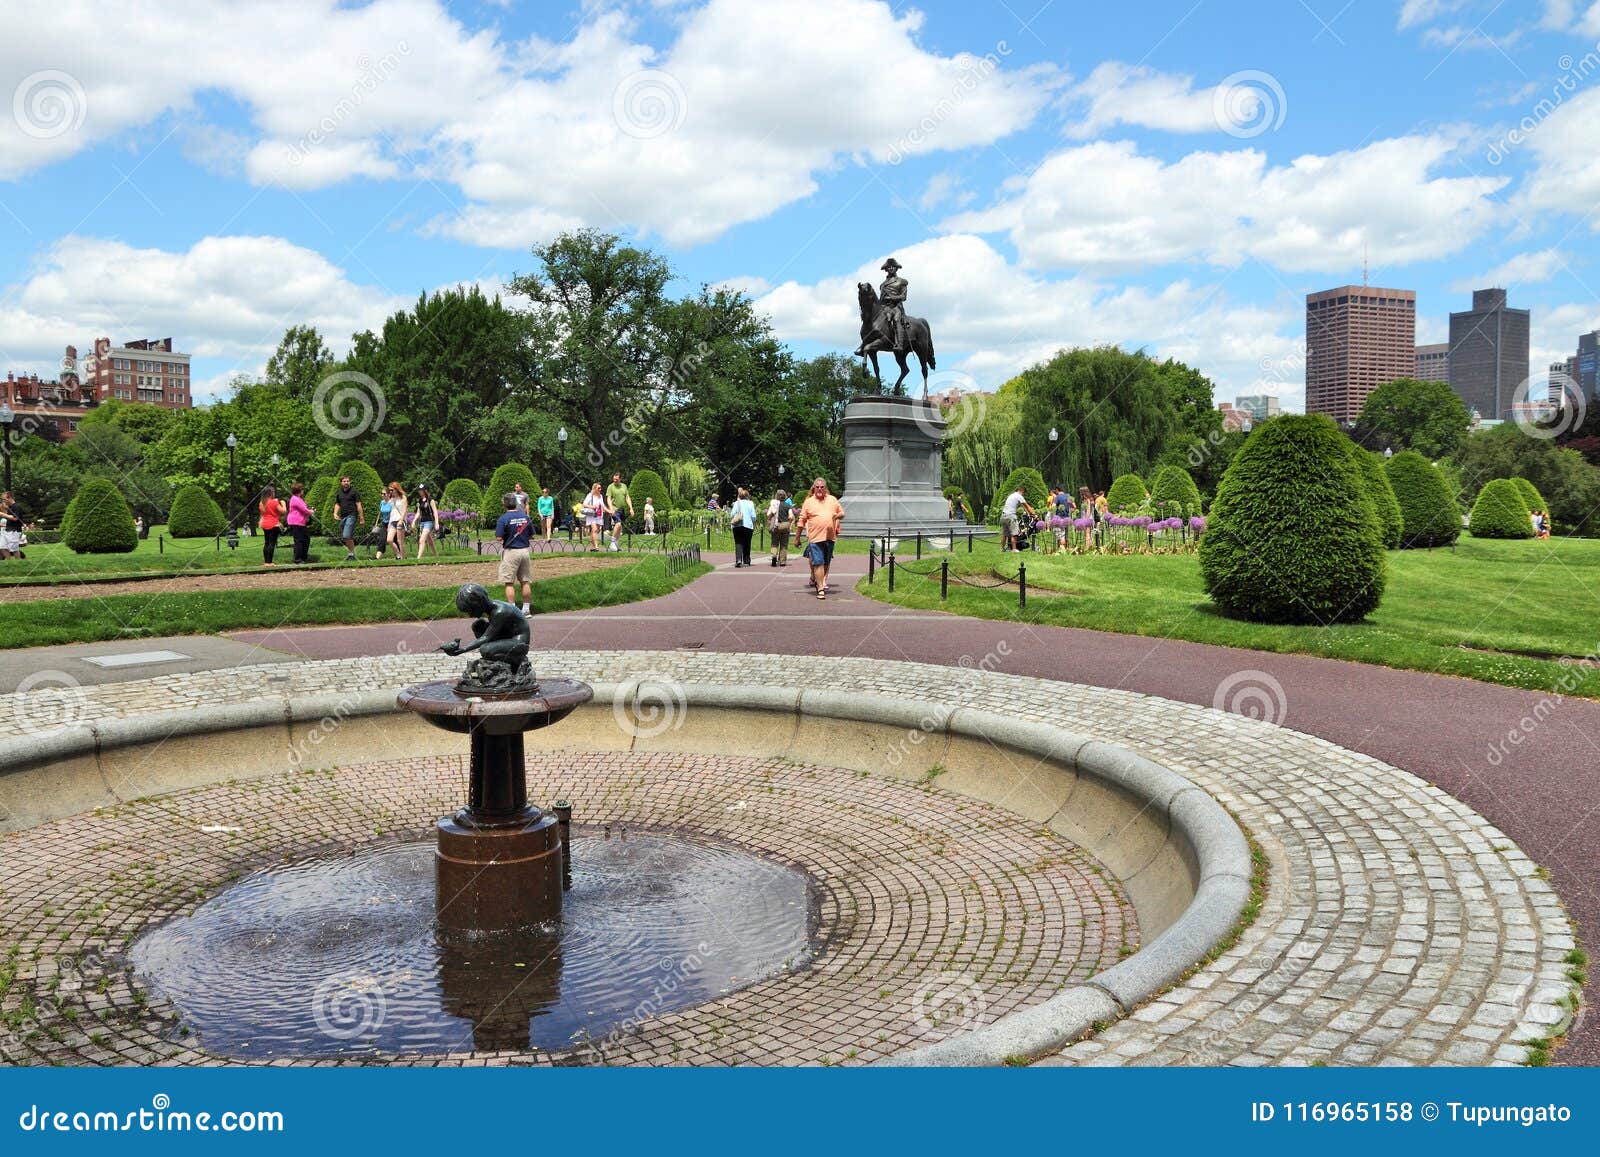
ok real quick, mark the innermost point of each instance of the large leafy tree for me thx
(1406, 414)
(1570, 484)
(141, 421)
(301, 362)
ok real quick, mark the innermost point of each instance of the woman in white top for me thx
(397, 520)
(594, 515)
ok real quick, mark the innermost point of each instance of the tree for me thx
(648, 484)
(194, 514)
(1428, 512)
(1174, 488)
(462, 494)
(1530, 494)
(1500, 512)
(44, 479)
(98, 520)
(1127, 493)
(141, 421)
(300, 363)
(320, 499)
(1376, 483)
(104, 450)
(1292, 536)
(1033, 489)
(505, 477)
(1561, 476)
(1406, 414)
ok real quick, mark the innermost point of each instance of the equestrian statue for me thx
(885, 326)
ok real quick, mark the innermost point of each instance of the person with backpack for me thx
(780, 520)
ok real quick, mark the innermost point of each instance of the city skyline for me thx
(1047, 180)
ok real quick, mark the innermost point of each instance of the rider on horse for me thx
(892, 294)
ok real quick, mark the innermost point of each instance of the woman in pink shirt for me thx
(300, 523)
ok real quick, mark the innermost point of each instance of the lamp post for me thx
(233, 497)
(7, 416)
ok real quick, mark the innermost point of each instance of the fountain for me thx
(501, 861)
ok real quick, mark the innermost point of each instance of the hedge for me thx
(1292, 536)
(1376, 484)
(1033, 488)
(648, 484)
(1428, 512)
(99, 521)
(1128, 492)
(1174, 486)
(1530, 495)
(1500, 512)
(462, 494)
(320, 499)
(194, 514)
(492, 504)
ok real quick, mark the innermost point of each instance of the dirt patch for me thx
(289, 577)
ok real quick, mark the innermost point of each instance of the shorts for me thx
(1008, 524)
(10, 540)
(347, 526)
(516, 566)
(594, 520)
(820, 552)
(424, 526)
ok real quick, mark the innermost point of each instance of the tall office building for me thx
(1489, 353)
(1585, 370)
(1357, 338)
(1433, 362)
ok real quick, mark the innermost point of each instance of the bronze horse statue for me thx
(918, 336)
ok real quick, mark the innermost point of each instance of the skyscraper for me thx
(1489, 353)
(1433, 362)
(1357, 338)
(1586, 372)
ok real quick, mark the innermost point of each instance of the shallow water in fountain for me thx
(341, 955)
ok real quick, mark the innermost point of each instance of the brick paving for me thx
(933, 912)
(1400, 927)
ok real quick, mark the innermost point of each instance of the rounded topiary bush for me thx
(368, 487)
(492, 505)
(1530, 494)
(320, 499)
(98, 520)
(1428, 514)
(1376, 483)
(1127, 493)
(1033, 488)
(648, 484)
(1174, 487)
(1500, 512)
(462, 494)
(194, 514)
(1292, 536)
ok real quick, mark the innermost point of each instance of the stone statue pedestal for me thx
(499, 860)
(893, 469)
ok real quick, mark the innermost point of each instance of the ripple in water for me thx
(341, 956)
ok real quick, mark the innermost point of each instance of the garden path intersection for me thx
(1399, 925)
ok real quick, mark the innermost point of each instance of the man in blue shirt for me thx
(515, 532)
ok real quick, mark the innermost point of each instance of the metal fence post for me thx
(891, 573)
(1022, 586)
(872, 561)
(944, 579)
(919, 546)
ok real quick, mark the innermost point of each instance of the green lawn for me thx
(1500, 611)
(81, 620)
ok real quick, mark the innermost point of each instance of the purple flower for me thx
(1084, 523)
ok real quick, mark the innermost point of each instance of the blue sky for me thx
(1173, 176)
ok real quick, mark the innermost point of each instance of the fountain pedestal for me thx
(499, 859)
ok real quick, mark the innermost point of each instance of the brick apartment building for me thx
(1357, 338)
(142, 371)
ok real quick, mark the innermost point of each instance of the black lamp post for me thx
(7, 416)
(233, 498)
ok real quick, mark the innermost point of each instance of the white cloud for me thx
(1523, 269)
(1105, 206)
(991, 319)
(1555, 332)
(1564, 16)
(728, 123)
(1415, 12)
(1566, 148)
(1123, 94)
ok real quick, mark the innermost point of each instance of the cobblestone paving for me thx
(933, 911)
(1400, 926)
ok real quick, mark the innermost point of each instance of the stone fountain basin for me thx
(440, 705)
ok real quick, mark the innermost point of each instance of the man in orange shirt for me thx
(820, 518)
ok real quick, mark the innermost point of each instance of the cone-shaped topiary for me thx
(1428, 514)
(368, 487)
(320, 499)
(492, 505)
(648, 484)
(1033, 488)
(1174, 486)
(1292, 536)
(1500, 512)
(98, 520)
(1530, 494)
(1376, 483)
(1127, 493)
(194, 514)
(462, 494)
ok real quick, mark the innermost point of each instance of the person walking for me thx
(617, 497)
(742, 518)
(547, 511)
(10, 527)
(515, 531)
(299, 519)
(820, 519)
(396, 534)
(780, 519)
(594, 515)
(427, 521)
(649, 515)
(1009, 519)
(347, 509)
(521, 496)
(272, 510)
